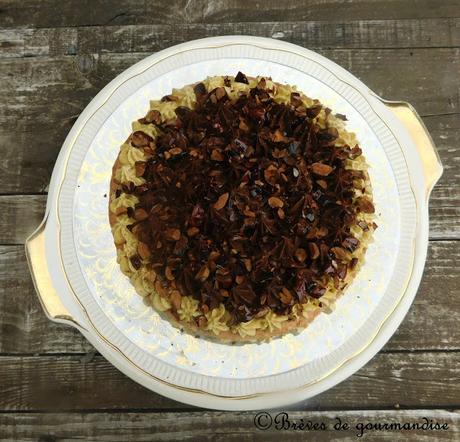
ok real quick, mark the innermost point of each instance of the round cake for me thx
(240, 208)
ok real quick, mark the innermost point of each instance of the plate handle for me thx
(38, 266)
(431, 162)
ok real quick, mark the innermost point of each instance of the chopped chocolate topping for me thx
(241, 78)
(247, 202)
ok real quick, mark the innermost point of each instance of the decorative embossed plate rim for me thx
(63, 190)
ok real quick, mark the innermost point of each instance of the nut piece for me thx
(340, 253)
(321, 169)
(203, 273)
(175, 151)
(314, 250)
(322, 184)
(172, 234)
(140, 139)
(216, 155)
(153, 116)
(176, 299)
(139, 167)
(365, 205)
(275, 202)
(121, 210)
(160, 289)
(192, 231)
(202, 321)
(247, 264)
(169, 274)
(279, 137)
(239, 279)
(140, 214)
(301, 255)
(143, 250)
(270, 174)
(286, 296)
(220, 93)
(221, 202)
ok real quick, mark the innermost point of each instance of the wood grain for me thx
(431, 324)
(219, 426)
(20, 215)
(445, 199)
(53, 13)
(378, 34)
(65, 383)
(24, 328)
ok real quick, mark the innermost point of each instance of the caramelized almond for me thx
(140, 139)
(169, 274)
(143, 250)
(301, 255)
(121, 210)
(247, 264)
(275, 202)
(160, 289)
(139, 167)
(176, 299)
(172, 234)
(279, 137)
(153, 116)
(321, 169)
(192, 231)
(365, 205)
(239, 279)
(216, 155)
(322, 184)
(340, 253)
(140, 214)
(175, 151)
(221, 201)
(314, 250)
(286, 296)
(202, 322)
(203, 273)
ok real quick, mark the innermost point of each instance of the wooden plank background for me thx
(54, 58)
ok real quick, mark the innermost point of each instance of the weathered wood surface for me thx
(58, 383)
(54, 13)
(24, 328)
(20, 215)
(445, 199)
(378, 34)
(431, 324)
(220, 426)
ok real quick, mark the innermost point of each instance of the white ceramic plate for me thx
(99, 300)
